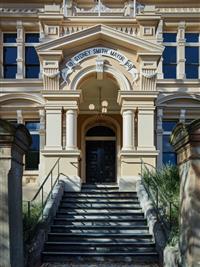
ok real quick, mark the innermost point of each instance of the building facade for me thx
(99, 84)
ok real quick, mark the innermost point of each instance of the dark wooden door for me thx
(100, 161)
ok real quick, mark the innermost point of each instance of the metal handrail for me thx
(41, 190)
(43, 183)
(157, 196)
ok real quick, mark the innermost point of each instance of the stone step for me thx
(101, 237)
(100, 200)
(103, 216)
(100, 210)
(89, 197)
(130, 256)
(99, 205)
(99, 222)
(116, 194)
(111, 247)
(99, 229)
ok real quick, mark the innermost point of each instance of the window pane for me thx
(31, 56)
(10, 71)
(192, 37)
(169, 71)
(169, 37)
(191, 71)
(9, 55)
(33, 126)
(169, 158)
(192, 54)
(35, 142)
(32, 71)
(9, 37)
(169, 54)
(166, 145)
(32, 160)
(32, 38)
(168, 126)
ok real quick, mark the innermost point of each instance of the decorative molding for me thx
(179, 10)
(99, 67)
(51, 75)
(96, 51)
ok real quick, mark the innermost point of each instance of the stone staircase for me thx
(100, 223)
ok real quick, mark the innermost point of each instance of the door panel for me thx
(100, 161)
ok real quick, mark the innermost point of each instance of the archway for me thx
(100, 144)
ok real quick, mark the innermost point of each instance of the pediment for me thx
(104, 33)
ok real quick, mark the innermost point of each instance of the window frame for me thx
(193, 44)
(25, 65)
(13, 44)
(170, 44)
(167, 133)
(33, 132)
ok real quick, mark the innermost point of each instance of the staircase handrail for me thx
(44, 199)
(158, 196)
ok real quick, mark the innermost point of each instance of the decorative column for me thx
(71, 129)
(14, 143)
(181, 51)
(186, 143)
(128, 130)
(53, 128)
(20, 50)
(159, 135)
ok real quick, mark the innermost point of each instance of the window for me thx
(169, 156)
(192, 37)
(169, 55)
(169, 37)
(169, 62)
(32, 156)
(9, 37)
(192, 56)
(32, 64)
(32, 38)
(9, 62)
(9, 55)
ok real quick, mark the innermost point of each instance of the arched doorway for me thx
(100, 155)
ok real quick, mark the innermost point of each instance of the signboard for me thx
(99, 51)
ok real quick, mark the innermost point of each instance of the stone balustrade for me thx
(186, 142)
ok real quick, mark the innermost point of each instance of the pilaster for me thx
(20, 50)
(181, 51)
(146, 121)
(1, 54)
(53, 128)
(159, 137)
(19, 116)
(159, 37)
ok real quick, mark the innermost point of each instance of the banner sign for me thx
(99, 51)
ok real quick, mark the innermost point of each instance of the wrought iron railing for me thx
(166, 210)
(34, 209)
